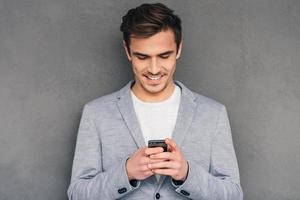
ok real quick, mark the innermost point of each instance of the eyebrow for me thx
(161, 54)
(166, 53)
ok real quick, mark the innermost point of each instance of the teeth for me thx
(154, 77)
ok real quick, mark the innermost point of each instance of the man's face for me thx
(153, 61)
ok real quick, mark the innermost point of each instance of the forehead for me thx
(160, 42)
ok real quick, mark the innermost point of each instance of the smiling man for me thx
(112, 160)
(153, 60)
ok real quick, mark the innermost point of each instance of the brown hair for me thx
(148, 19)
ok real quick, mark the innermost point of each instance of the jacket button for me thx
(157, 196)
(122, 190)
(133, 183)
(184, 193)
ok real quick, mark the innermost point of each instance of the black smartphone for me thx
(158, 143)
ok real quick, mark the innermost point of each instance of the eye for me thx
(165, 56)
(140, 57)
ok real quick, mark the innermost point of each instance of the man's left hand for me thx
(172, 162)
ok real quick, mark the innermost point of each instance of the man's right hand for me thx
(137, 164)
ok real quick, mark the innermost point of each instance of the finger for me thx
(163, 165)
(154, 150)
(142, 151)
(144, 168)
(144, 160)
(171, 144)
(156, 160)
(164, 155)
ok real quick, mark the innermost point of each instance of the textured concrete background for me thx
(57, 55)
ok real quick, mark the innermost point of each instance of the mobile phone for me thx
(158, 143)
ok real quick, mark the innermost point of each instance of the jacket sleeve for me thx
(89, 181)
(222, 182)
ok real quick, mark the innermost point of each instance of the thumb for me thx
(171, 144)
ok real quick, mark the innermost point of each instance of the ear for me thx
(126, 50)
(179, 49)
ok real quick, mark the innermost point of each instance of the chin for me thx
(155, 89)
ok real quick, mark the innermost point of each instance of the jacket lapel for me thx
(127, 111)
(185, 114)
(187, 108)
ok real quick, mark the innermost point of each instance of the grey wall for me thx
(57, 55)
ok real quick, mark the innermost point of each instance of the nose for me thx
(154, 66)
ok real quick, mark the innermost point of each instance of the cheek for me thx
(139, 67)
(137, 71)
(169, 65)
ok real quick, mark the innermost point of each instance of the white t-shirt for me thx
(157, 119)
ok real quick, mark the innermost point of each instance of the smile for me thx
(154, 77)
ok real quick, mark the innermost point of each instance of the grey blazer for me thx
(109, 133)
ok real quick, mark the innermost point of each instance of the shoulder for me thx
(208, 102)
(211, 107)
(201, 100)
(101, 104)
(103, 100)
(106, 105)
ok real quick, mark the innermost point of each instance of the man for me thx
(111, 158)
